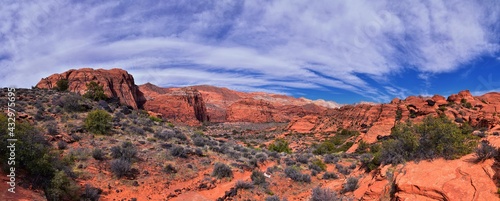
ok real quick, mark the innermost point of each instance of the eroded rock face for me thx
(117, 83)
(225, 105)
(185, 105)
(377, 120)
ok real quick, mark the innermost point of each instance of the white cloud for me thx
(248, 45)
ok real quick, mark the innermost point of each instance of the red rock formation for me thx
(116, 83)
(377, 120)
(225, 105)
(185, 105)
(432, 180)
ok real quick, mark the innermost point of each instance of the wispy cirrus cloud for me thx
(275, 46)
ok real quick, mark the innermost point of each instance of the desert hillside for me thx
(93, 134)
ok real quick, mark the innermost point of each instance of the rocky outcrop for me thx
(185, 105)
(225, 105)
(117, 83)
(431, 180)
(377, 120)
(446, 180)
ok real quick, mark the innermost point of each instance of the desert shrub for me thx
(98, 122)
(178, 151)
(318, 165)
(170, 169)
(91, 193)
(434, 137)
(485, 151)
(258, 177)
(79, 154)
(120, 167)
(261, 157)
(330, 175)
(98, 154)
(69, 102)
(362, 147)
(62, 145)
(199, 141)
(330, 158)
(243, 185)
(352, 166)
(222, 170)
(127, 151)
(280, 145)
(198, 152)
(233, 154)
(289, 161)
(52, 128)
(137, 130)
(303, 158)
(294, 174)
(95, 92)
(62, 188)
(343, 170)
(169, 134)
(324, 194)
(155, 119)
(350, 185)
(62, 84)
(273, 198)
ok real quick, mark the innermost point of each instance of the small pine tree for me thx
(62, 85)
(95, 92)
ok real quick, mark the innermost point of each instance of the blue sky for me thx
(344, 51)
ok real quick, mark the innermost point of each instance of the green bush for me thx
(62, 84)
(32, 152)
(98, 122)
(95, 92)
(62, 188)
(280, 145)
(155, 119)
(433, 138)
(319, 164)
(362, 147)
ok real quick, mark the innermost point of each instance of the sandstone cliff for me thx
(117, 83)
(184, 105)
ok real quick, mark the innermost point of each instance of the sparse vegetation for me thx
(485, 151)
(324, 194)
(280, 145)
(294, 174)
(120, 167)
(258, 177)
(127, 151)
(222, 170)
(350, 185)
(98, 154)
(243, 185)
